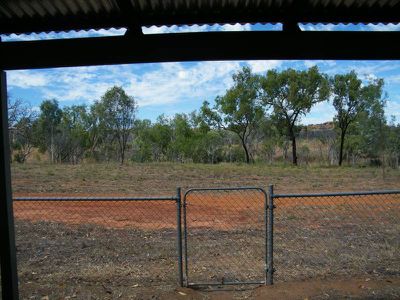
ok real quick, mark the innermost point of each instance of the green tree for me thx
(161, 137)
(372, 121)
(72, 137)
(292, 94)
(96, 129)
(238, 110)
(49, 119)
(117, 112)
(182, 138)
(348, 101)
(143, 144)
(394, 142)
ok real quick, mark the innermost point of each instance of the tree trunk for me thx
(52, 146)
(122, 157)
(342, 135)
(294, 149)
(246, 151)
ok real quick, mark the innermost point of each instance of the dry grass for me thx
(163, 178)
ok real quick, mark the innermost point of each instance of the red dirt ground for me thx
(222, 210)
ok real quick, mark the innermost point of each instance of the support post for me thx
(9, 278)
(266, 236)
(185, 241)
(270, 236)
(179, 235)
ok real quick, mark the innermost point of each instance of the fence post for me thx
(179, 235)
(270, 236)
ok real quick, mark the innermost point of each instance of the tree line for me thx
(254, 119)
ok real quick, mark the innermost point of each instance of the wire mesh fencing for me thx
(230, 236)
(112, 244)
(342, 234)
(225, 236)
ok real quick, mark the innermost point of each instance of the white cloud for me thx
(393, 109)
(260, 66)
(27, 79)
(362, 68)
(173, 83)
(159, 84)
(326, 63)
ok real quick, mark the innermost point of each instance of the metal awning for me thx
(25, 16)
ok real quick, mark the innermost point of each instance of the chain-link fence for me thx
(225, 236)
(340, 234)
(230, 236)
(104, 243)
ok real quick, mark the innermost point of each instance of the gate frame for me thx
(268, 238)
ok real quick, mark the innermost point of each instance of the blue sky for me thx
(171, 88)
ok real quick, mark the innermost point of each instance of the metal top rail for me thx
(254, 188)
(95, 198)
(383, 192)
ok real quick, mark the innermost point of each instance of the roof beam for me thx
(291, 27)
(131, 18)
(200, 46)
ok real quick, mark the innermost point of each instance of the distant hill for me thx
(314, 131)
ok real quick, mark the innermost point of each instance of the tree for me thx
(118, 111)
(348, 101)
(372, 121)
(96, 130)
(72, 137)
(161, 138)
(292, 94)
(20, 124)
(394, 143)
(49, 119)
(23, 140)
(238, 110)
(182, 134)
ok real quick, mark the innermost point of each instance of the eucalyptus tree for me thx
(372, 121)
(117, 113)
(291, 94)
(348, 101)
(48, 122)
(238, 110)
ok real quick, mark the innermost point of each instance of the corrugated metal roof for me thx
(23, 16)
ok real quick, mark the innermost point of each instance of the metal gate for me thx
(225, 236)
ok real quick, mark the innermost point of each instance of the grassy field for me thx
(163, 178)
